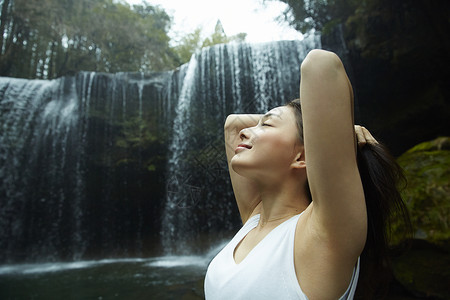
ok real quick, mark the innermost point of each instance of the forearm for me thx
(233, 125)
(237, 122)
(245, 191)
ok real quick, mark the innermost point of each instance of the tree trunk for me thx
(3, 20)
(51, 61)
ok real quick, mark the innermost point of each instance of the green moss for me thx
(441, 143)
(424, 270)
(427, 194)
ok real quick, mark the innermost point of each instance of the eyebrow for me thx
(268, 115)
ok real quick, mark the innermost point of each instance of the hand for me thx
(363, 136)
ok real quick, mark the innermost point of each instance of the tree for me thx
(192, 42)
(50, 38)
(218, 37)
(188, 44)
(305, 15)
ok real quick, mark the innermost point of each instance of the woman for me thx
(305, 204)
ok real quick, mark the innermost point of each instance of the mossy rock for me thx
(423, 270)
(427, 194)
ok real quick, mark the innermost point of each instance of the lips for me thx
(242, 147)
(245, 146)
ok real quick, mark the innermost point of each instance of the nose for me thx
(244, 134)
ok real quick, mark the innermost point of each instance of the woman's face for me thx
(270, 147)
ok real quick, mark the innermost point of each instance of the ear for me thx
(299, 161)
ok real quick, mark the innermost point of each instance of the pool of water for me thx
(166, 277)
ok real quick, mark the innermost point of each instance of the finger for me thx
(368, 136)
(360, 138)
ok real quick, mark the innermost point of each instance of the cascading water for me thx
(38, 125)
(72, 174)
(130, 164)
(219, 80)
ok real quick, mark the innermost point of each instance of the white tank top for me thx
(267, 272)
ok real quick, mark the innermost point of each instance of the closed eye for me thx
(265, 124)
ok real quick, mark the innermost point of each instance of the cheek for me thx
(275, 140)
(275, 147)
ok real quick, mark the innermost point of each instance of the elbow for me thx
(319, 60)
(229, 122)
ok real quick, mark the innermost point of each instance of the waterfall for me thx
(224, 79)
(35, 114)
(71, 160)
(131, 164)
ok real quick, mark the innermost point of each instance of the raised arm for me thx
(245, 192)
(339, 212)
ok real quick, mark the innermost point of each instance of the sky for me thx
(249, 16)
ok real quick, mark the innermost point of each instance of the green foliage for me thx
(188, 45)
(135, 133)
(428, 192)
(218, 37)
(192, 42)
(50, 38)
(312, 14)
(138, 143)
(321, 15)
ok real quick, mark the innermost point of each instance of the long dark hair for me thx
(382, 178)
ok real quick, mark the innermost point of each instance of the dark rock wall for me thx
(398, 57)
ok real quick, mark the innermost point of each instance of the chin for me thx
(236, 163)
(241, 166)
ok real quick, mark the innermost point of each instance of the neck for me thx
(281, 201)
